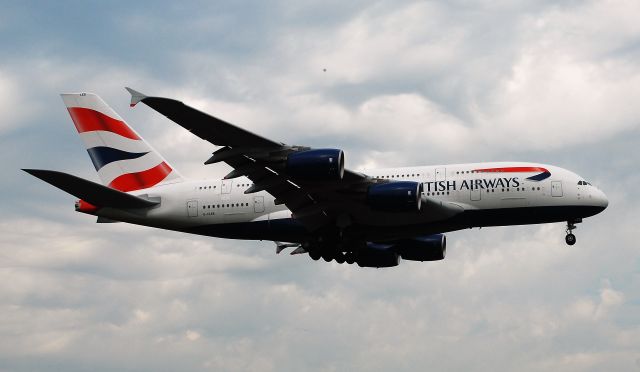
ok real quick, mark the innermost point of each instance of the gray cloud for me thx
(405, 83)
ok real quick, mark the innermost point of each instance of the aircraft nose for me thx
(600, 199)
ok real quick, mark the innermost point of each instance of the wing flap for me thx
(91, 192)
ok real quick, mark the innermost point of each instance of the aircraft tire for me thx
(570, 239)
(350, 258)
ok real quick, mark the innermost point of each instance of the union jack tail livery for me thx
(124, 161)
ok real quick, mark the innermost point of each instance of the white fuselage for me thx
(497, 195)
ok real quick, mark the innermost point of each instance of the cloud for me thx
(11, 101)
(560, 81)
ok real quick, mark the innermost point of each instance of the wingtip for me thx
(135, 96)
(39, 173)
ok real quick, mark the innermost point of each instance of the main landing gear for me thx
(570, 238)
(340, 257)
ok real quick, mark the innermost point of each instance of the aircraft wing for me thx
(315, 204)
(205, 126)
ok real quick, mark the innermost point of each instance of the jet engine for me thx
(424, 248)
(400, 196)
(377, 255)
(317, 164)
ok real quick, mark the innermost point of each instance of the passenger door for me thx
(475, 194)
(258, 204)
(226, 186)
(556, 188)
(192, 208)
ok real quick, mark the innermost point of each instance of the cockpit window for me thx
(584, 183)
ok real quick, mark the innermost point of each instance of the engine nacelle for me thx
(318, 164)
(424, 248)
(400, 196)
(378, 255)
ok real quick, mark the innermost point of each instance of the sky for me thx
(392, 83)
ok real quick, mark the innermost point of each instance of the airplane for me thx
(304, 198)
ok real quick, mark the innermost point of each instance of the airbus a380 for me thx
(304, 198)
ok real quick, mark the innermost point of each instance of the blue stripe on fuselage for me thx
(540, 177)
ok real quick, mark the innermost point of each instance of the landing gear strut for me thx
(570, 238)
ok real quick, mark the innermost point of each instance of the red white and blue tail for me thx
(123, 159)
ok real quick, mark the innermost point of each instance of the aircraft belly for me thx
(481, 218)
(286, 229)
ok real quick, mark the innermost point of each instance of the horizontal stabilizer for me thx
(91, 192)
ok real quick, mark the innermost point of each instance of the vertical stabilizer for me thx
(123, 160)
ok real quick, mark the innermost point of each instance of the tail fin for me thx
(124, 161)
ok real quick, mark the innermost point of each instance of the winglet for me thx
(135, 96)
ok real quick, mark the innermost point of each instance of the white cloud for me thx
(14, 106)
(191, 335)
(554, 100)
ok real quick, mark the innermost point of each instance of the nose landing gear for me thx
(570, 239)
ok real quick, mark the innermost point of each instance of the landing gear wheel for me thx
(314, 255)
(327, 257)
(570, 239)
(350, 258)
(340, 258)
